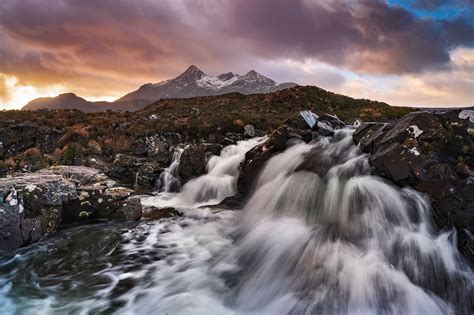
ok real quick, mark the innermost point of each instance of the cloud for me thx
(459, 32)
(109, 47)
(4, 91)
(450, 87)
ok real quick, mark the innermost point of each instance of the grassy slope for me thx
(116, 132)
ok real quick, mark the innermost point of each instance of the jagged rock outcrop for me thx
(433, 152)
(33, 206)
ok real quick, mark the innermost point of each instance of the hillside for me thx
(191, 83)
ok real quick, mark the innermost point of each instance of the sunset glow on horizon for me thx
(402, 52)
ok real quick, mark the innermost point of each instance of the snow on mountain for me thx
(193, 82)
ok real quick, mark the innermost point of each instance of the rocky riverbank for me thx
(431, 152)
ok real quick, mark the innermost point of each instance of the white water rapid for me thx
(169, 181)
(219, 182)
(318, 235)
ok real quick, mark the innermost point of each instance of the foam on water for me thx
(318, 235)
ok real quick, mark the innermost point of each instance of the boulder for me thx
(249, 131)
(332, 120)
(303, 126)
(101, 198)
(33, 206)
(194, 160)
(115, 171)
(432, 152)
(130, 209)
(154, 213)
(147, 175)
(298, 127)
(11, 237)
(155, 147)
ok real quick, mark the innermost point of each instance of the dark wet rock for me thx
(404, 151)
(230, 138)
(194, 160)
(332, 120)
(154, 213)
(31, 205)
(324, 129)
(34, 205)
(255, 159)
(100, 202)
(130, 209)
(297, 128)
(10, 221)
(156, 147)
(148, 174)
(302, 120)
(432, 152)
(230, 203)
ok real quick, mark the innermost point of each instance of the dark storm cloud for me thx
(366, 36)
(84, 42)
(459, 32)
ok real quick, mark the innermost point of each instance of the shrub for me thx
(68, 155)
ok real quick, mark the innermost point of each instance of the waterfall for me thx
(219, 182)
(318, 235)
(168, 180)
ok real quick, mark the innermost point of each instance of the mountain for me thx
(72, 101)
(191, 83)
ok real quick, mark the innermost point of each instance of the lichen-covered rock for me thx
(33, 206)
(80, 175)
(194, 160)
(432, 152)
(96, 202)
(10, 221)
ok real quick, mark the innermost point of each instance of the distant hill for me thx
(72, 101)
(193, 82)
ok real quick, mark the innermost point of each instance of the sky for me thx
(403, 52)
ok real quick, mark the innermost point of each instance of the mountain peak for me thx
(252, 73)
(193, 72)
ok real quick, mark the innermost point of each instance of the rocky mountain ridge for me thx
(191, 83)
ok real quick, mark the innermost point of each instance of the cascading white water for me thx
(318, 235)
(321, 236)
(169, 181)
(219, 182)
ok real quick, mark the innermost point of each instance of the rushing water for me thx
(169, 179)
(318, 235)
